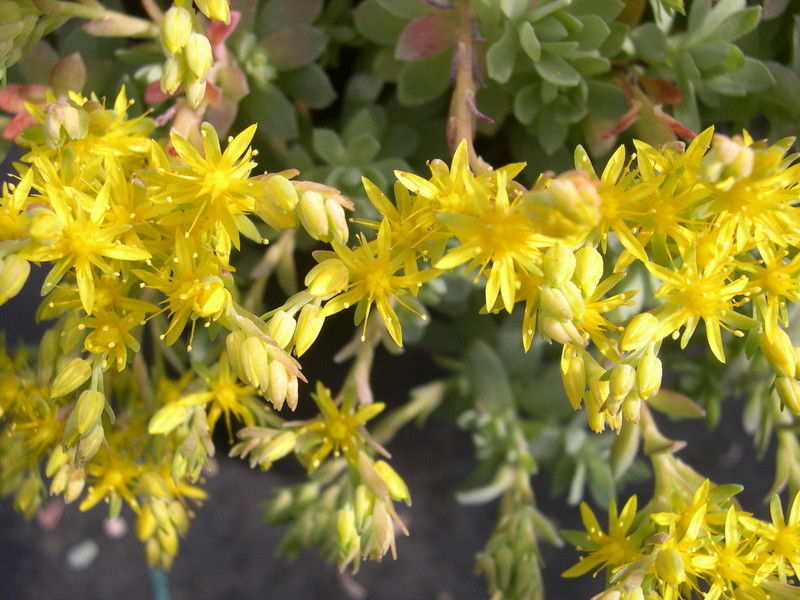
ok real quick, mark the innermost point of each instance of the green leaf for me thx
(362, 149)
(294, 47)
(502, 55)
(616, 38)
(329, 147)
(552, 133)
(606, 99)
(676, 405)
(650, 43)
(279, 14)
(513, 9)
(310, 84)
(755, 75)
(785, 95)
(376, 23)
(487, 376)
(608, 10)
(557, 71)
(405, 9)
(594, 33)
(273, 112)
(526, 104)
(550, 30)
(529, 42)
(542, 10)
(423, 81)
(591, 66)
(726, 22)
(717, 56)
(366, 121)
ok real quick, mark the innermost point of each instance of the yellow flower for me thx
(373, 278)
(692, 293)
(497, 233)
(614, 549)
(338, 429)
(86, 240)
(214, 190)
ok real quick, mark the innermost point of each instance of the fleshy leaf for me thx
(426, 36)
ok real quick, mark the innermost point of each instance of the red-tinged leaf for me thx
(233, 83)
(660, 90)
(218, 32)
(426, 36)
(153, 93)
(14, 96)
(17, 125)
(675, 125)
(68, 74)
(222, 115)
(628, 119)
(213, 94)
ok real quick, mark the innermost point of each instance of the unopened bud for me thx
(398, 489)
(195, 90)
(70, 377)
(588, 269)
(14, 273)
(281, 327)
(176, 27)
(309, 324)
(574, 380)
(168, 418)
(278, 384)
(337, 221)
(621, 381)
(88, 409)
(788, 390)
(669, 566)
(172, 74)
(217, 10)
(553, 303)
(558, 264)
(648, 376)
(199, 57)
(640, 331)
(779, 352)
(311, 211)
(255, 363)
(327, 278)
(89, 444)
(43, 225)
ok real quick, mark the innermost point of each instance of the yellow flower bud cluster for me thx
(161, 521)
(189, 54)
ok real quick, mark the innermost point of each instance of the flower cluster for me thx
(140, 235)
(703, 546)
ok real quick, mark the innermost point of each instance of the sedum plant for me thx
(205, 184)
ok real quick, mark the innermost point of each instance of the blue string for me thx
(160, 586)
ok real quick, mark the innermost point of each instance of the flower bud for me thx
(43, 225)
(588, 269)
(327, 278)
(779, 352)
(199, 57)
(212, 298)
(233, 345)
(559, 264)
(70, 377)
(574, 380)
(176, 27)
(89, 444)
(632, 406)
(309, 324)
(278, 447)
(88, 410)
(172, 74)
(168, 418)
(255, 363)
(195, 90)
(563, 332)
(311, 211)
(282, 327)
(397, 487)
(14, 273)
(648, 376)
(281, 191)
(278, 384)
(669, 566)
(216, 10)
(621, 381)
(553, 304)
(789, 392)
(337, 221)
(640, 331)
